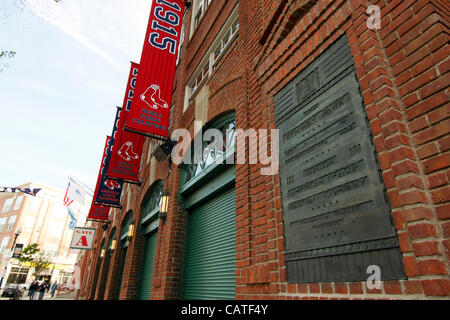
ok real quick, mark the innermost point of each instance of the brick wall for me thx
(404, 81)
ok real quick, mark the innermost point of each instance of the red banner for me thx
(127, 149)
(150, 111)
(126, 153)
(98, 212)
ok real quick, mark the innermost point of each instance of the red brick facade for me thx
(403, 71)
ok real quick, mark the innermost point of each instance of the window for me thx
(197, 18)
(180, 45)
(225, 39)
(199, 9)
(2, 223)
(211, 156)
(202, 74)
(206, 70)
(235, 26)
(11, 222)
(7, 205)
(215, 52)
(18, 275)
(18, 203)
(152, 200)
(4, 243)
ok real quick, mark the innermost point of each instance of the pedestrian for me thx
(54, 287)
(29, 290)
(41, 289)
(33, 287)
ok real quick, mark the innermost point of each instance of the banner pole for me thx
(148, 135)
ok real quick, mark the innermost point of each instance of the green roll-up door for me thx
(147, 266)
(209, 263)
(122, 269)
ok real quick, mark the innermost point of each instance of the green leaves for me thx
(7, 54)
(32, 256)
(28, 253)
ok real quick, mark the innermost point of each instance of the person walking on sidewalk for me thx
(42, 288)
(54, 287)
(33, 287)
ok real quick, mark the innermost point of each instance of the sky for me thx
(59, 92)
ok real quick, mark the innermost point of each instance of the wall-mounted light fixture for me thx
(102, 253)
(113, 246)
(163, 150)
(164, 206)
(130, 231)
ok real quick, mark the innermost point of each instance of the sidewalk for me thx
(48, 296)
(64, 296)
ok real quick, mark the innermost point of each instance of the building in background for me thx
(44, 220)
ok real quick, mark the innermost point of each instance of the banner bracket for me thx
(148, 135)
(107, 205)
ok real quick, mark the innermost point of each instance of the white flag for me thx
(74, 192)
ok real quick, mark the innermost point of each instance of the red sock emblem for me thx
(152, 97)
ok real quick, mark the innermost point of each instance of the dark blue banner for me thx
(109, 190)
(30, 191)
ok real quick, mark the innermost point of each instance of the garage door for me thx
(122, 269)
(147, 266)
(209, 263)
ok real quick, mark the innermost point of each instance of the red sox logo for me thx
(126, 152)
(152, 98)
(111, 184)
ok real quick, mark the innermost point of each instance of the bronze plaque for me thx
(336, 214)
